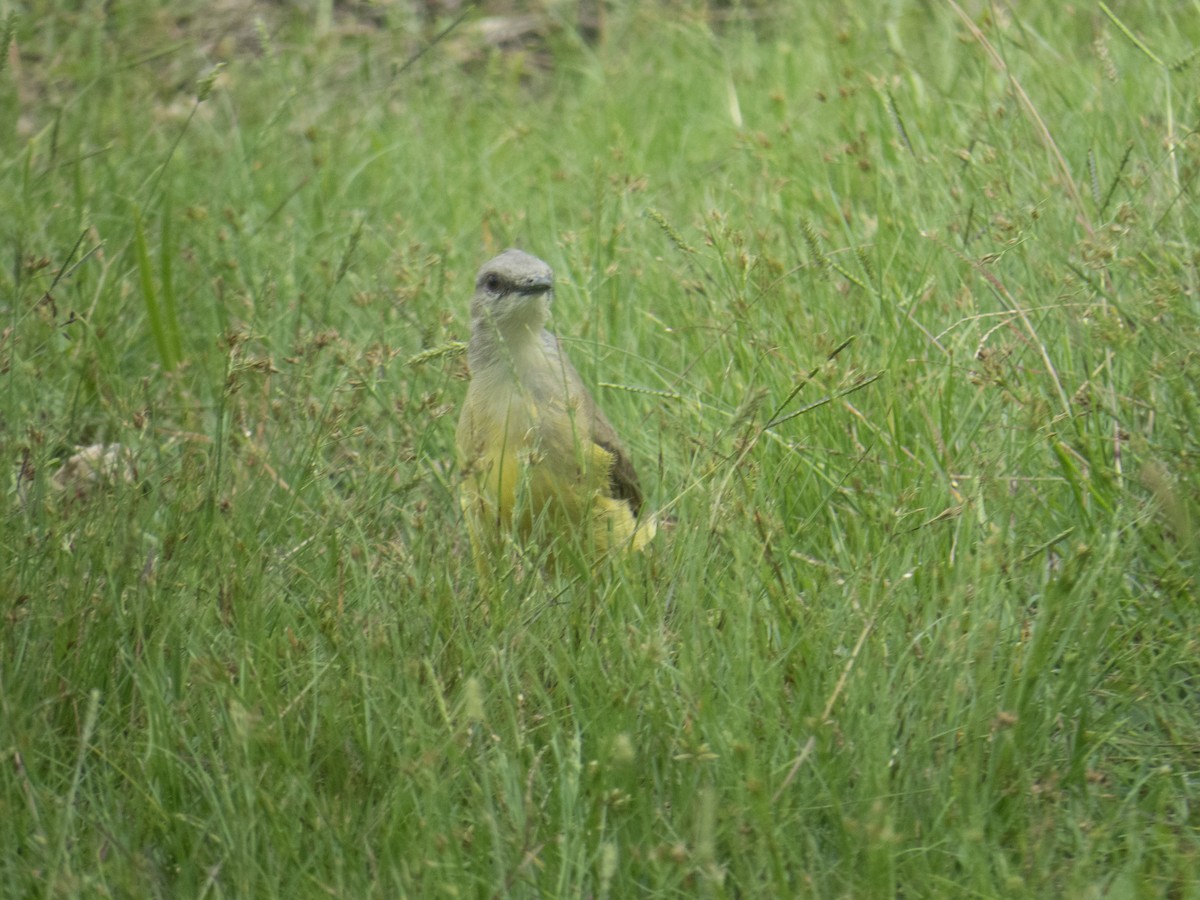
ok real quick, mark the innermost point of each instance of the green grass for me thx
(898, 311)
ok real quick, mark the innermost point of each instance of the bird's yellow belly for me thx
(524, 483)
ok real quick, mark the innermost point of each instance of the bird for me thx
(541, 464)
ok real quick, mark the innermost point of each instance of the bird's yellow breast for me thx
(496, 448)
(531, 469)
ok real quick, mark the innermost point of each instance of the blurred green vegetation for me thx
(895, 304)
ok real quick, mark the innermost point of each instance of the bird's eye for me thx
(492, 283)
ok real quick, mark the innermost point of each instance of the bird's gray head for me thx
(513, 291)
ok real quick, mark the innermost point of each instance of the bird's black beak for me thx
(538, 285)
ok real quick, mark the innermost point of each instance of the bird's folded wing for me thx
(622, 479)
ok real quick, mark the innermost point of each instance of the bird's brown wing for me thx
(622, 479)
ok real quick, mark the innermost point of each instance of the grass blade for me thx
(155, 312)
